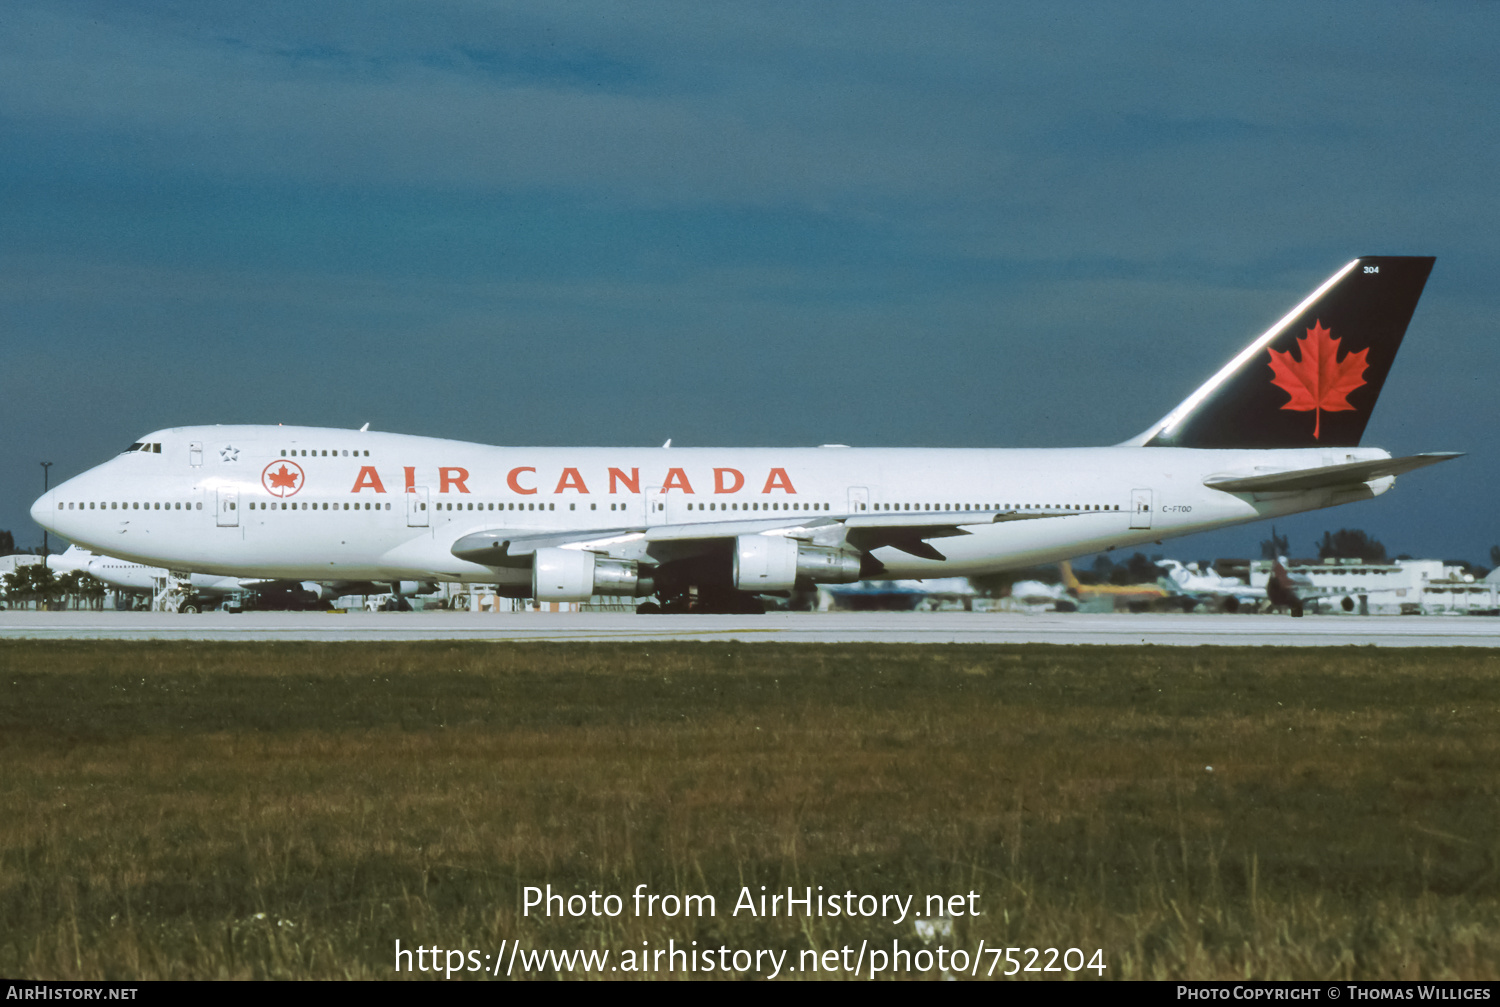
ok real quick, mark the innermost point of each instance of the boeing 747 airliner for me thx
(1276, 431)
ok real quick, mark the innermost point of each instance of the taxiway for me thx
(937, 627)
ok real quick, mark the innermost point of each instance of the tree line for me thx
(34, 585)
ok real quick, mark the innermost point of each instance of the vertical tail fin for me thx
(1312, 379)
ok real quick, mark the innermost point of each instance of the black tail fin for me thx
(1312, 380)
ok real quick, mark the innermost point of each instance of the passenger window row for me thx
(129, 505)
(441, 505)
(303, 453)
(135, 505)
(760, 506)
(314, 505)
(992, 507)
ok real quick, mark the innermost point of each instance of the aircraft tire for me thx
(189, 609)
(1296, 610)
(1231, 604)
(648, 608)
(722, 602)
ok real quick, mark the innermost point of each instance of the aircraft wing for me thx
(1325, 477)
(515, 547)
(909, 532)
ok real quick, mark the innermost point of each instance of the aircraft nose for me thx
(42, 509)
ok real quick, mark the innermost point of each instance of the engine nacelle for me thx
(576, 575)
(407, 588)
(773, 563)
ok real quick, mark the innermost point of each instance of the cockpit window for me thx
(134, 447)
(153, 448)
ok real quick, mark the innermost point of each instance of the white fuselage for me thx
(322, 504)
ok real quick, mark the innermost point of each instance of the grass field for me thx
(180, 810)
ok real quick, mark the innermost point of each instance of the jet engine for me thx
(412, 587)
(774, 563)
(577, 575)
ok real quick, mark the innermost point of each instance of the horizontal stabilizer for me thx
(1328, 476)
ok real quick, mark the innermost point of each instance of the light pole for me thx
(45, 486)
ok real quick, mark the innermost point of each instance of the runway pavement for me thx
(872, 627)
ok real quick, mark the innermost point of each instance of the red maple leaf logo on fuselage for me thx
(282, 479)
(1319, 380)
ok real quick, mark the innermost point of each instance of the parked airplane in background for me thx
(1039, 594)
(124, 575)
(1275, 431)
(1293, 590)
(901, 595)
(1112, 595)
(1209, 587)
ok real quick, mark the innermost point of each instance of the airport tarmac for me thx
(780, 627)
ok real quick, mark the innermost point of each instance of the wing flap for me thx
(515, 547)
(910, 540)
(732, 529)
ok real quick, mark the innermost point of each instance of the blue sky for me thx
(937, 224)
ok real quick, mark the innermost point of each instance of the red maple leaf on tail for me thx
(283, 478)
(1319, 380)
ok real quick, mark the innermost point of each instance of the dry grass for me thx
(263, 810)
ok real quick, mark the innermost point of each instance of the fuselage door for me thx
(859, 499)
(1140, 508)
(416, 507)
(656, 506)
(195, 453)
(229, 508)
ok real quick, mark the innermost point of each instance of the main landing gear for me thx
(704, 601)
